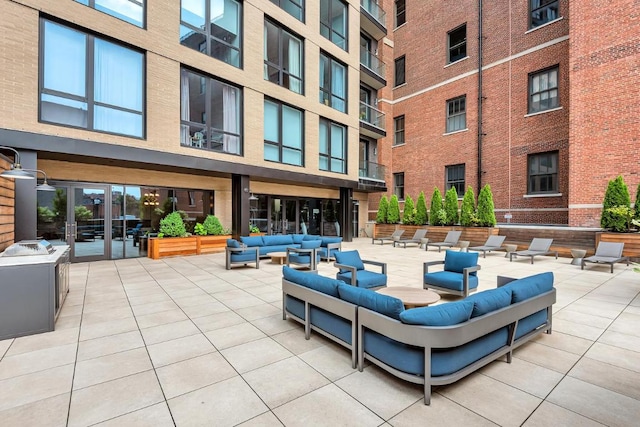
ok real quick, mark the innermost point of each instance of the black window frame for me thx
(536, 179)
(542, 9)
(279, 143)
(399, 132)
(296, 3)
(553, 105)
(398, 185)
(283, 74)
(456, 48)
(400, 69)
(142, 3)
(344, 37)
(328, 155)
(327, 94)
(454, 176)
(459, 111)
(400, 12)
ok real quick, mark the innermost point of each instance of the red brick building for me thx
(540, 101)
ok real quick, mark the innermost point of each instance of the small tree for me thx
(436, 206)
(636, 206)
(451, 206)
(383, 211)
(486, 213)
(393, 217)
(468, 208)
(172, 226)
(617, 194)
(421, 210)
(409, 216)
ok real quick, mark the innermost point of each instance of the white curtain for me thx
(230, 120)
(185, 137)
(294, 65)
(337, 83)
(266, 53)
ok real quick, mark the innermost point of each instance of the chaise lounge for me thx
(417, 239)
(537, 247)
(493, 243)
(449, 241)
(395, 236)
(607, 253)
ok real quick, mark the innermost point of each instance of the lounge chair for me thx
(493, 243)
(353, 271)
(458, 277)
(417, 236)
(537, 247)
(607, 253)
(450, 241)
(395, 236)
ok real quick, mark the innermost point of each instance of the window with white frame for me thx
(283, 133)
(543, 90)
(333, 146)
(543, 173)
(456, 114)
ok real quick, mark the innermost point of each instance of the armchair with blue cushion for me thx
(306, 255)
(353, 272)
(459, 274)
(237, 253)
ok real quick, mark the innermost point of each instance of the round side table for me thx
(463, 245)
(509, 249)
(577, 255)
(423, 241)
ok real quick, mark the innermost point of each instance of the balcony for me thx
(372, 19)
(372, 70)
(371, 176)
(372, 121)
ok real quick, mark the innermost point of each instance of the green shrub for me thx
(440, 216)
(213, 227)
(383, 211)
(393, 216)
(409, 216)
(451, 206)
(636, 206)
(625, 213)
(486, 213)
(617, 194)
(199, 230)
(254, 228)
(468, 208)
(436, 206)
(421, 210)
(172, 225)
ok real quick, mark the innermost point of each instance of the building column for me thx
(26, 199)
(346, 213)
(240, 216)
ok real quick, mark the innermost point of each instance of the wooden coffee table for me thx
(411, 297)
(278, 257)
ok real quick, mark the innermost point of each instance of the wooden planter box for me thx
(181, 246)
(384, 230)
(631, 242)
(211, 244)
(477, 235)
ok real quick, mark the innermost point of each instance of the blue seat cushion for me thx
(233, 243)
(351, 258)
(323, 284)
(457, 261)
(297, 238)
(449, 280)
(323, 252)
(302, 259)
(488, 301)
(328, 240)
(310, 244)
(525, 288)
(266, 250)
(243, 256)
(277, 240)
(366, 279)
(331, 323)
(447, 314)
(294, 306)
(252, 240)
(410, 359)
(531, 322)
(383, 304)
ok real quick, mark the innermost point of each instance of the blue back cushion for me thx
(323, 284)
(298, 238)
(351, 258)
(457, 261)
(277, 240)
(531, 286)
(488, 301)
(447, 314)
(327, 240)
(252, 240)
(233, 243)
(311, 237)
(383, 304)
(310, 244)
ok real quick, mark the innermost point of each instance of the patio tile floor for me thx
(182, 341)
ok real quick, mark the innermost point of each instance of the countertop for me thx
(11, 261)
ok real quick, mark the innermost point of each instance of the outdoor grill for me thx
(29, 248)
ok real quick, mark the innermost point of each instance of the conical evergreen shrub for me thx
(409, 215)
(636, 206)
(617, 194)
(468, 208)
(436, 206)
(421, 210)
(486, 210)
(393, 217)
(451, 206)
(383, 210)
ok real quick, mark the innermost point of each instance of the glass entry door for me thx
(284, 216)
(88, 226)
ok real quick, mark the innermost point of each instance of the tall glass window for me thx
(543, 173)
(333, 146)
(294, 8)
(282, 57)
(333, 21)
(333, 83)
(399, 74)
(455, 178)
(131, 11)
(456, 114)
(542, 11)
(90, 83)
(213, 27)
(283, 133)
(210, 112)
(543, 90)
(401, 12)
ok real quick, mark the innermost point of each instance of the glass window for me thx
(210, 113)
(131, 11)
(213, 27)
(282, 57)
(333, 146)
(115, 74)
(398, 185)
(399, 71)
(458, 43)
(542, 11)
(543, 90)
(294, 8)
(333, 21)
(456, 114)
(401, 12)
(283, 133)
(398, 130)
(543, 173)
(333, 83)
(455, 178)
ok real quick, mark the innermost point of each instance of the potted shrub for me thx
(393, 216)
(473, 231)
(421, 210)
(436, 207)
(451, 206)
(618, 218)
(486, 212)
(172, 239)
(409, 215)
(468, 216)
(211, 235)
(382, 219)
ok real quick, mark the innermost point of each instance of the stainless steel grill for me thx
(29, 248)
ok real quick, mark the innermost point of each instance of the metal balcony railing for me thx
(371, 6)
(371, 170)
(373, 116)
(371, 61)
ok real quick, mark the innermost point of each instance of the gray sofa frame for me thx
(440, 337)
(354, 271)
(228, 251)
(465, 279)
(329, 248)
(312, 253)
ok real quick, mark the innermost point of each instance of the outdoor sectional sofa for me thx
(449, 340)
(280, 243)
